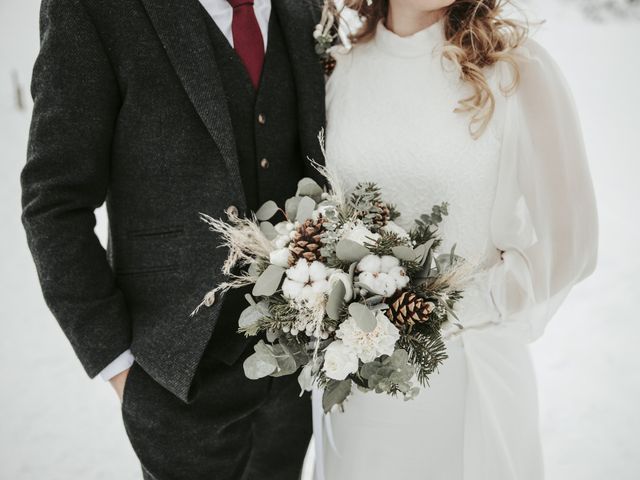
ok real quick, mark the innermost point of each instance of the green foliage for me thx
(425, 352)
(385, 243)
(427, 225)
(389, 374)
(366, 201)
(335, 393)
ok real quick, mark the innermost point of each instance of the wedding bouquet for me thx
(340, 290)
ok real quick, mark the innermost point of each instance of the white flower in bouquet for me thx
(382, 275)
(306, 281)
(339, 361)
(280, 257)
(369, 345)
(284, 230)
(357, 232)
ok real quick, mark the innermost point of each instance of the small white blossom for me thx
(339, 361)
(280, 257)
(369, 345)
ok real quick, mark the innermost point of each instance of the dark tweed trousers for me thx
(253, 434)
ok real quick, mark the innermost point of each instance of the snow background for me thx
(56, 424)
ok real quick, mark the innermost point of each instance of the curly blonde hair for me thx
(477, 36)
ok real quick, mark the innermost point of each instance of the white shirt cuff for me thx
(119, 365)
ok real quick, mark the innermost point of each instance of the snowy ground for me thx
(55, 424)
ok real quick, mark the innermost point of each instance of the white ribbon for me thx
(321, 424)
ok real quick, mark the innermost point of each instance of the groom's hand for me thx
(118, 382)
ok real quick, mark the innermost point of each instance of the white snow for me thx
(56, 424)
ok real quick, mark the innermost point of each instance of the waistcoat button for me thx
(264, 163)
(262, 119)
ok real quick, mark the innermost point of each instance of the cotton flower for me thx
(382, 275)
(280, 257)
(370, 263)
(378, 283)
(306, 281)
(369, 345)
(339, 361)
(387, 262)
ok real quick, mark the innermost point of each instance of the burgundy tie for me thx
(247, 38)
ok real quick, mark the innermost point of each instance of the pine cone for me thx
(306, 241)
(383, 217)
(408, 308)
(328, 64)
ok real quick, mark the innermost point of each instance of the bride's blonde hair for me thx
(477, 37)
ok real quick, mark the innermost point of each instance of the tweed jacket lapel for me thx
(183, 33)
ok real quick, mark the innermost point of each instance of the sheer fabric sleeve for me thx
(544, 218)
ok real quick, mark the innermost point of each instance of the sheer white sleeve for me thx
(544, 217)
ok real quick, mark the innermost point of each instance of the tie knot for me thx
(240, 3)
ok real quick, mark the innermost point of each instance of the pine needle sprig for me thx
(384, 244)
(427, 225)
(426, 353)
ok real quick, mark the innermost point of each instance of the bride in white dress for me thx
(511, 164)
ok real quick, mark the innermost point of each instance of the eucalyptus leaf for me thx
(286, 365)
(422, 251)
(400, 358)
(250, 316)
(308, 187)
(350, 251)
(404, 253)
(352, 270)
(305, 379)
(335, 393)
(269, 281)
(249, 299)
(259, 365)
(364, 317)
(335, 300)
(268, 230)
(267, 210)
(291, 207)
(305, 209)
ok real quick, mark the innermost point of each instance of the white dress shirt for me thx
(222, 14)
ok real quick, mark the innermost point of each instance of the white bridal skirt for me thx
(477, 421)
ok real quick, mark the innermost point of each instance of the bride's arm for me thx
(544, 218)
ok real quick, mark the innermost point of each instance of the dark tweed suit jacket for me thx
(129, 108)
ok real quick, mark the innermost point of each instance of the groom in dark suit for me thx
(163, 109)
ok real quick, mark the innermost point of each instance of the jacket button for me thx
(264, 163)
(232, 211)
(262, 119)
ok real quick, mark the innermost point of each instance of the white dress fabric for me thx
(524, 188)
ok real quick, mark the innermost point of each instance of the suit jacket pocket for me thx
(150, 251)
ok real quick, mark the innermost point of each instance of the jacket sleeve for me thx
(66, 177)
(544, 217)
